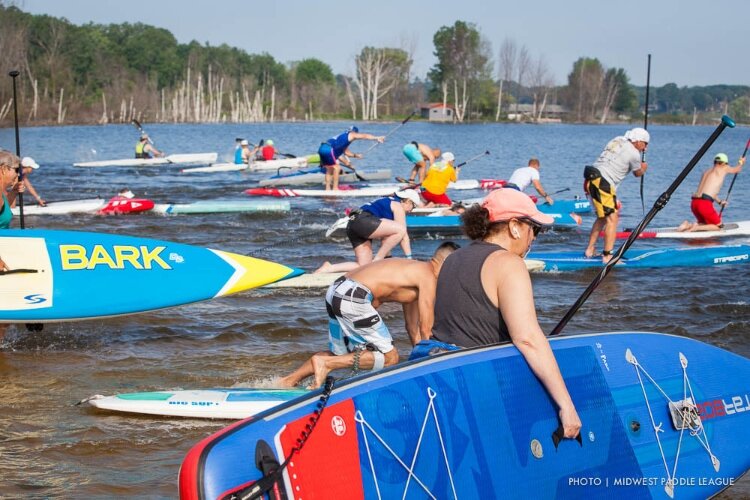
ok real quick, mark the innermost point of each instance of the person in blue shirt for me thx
(383, 219)
(238, 151)
(336, 149)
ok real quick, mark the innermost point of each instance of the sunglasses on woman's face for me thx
(536, 228)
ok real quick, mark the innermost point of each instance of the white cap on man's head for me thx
(410, 194)
(29, 162)
(244, 142)
(448, 157)
(638, 134)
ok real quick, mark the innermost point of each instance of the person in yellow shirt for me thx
(436, 182)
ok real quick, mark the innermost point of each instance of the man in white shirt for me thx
(524, 176)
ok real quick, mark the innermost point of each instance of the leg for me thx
(390, 233)
(323, 365)
(610, 234)
(336, 172)
(595, 230)
(301, 373)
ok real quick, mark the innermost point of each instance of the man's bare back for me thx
(712, 180)
(394, 280)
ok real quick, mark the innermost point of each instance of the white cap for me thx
(244, 142)
(638, 134)
(410, 194)
(448, 157)
(29, 162)
(126, 193)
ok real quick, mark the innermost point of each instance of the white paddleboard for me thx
(62, 207)
(177, 159)
(235, 403)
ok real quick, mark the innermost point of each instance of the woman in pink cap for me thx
(484, 293)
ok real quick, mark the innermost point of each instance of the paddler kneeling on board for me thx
(357, 336)
(484, 295)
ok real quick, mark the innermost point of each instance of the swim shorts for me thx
(704, 211)
(353, 322)
(412, 153)
(327, 156)
(603, 196)
(438, 199)
(360, 228)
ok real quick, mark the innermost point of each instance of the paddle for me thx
(556, 192)
(645, 127)
(14, 74)
(660, 203)
(731, 184)
(403, 122)
(18, 271)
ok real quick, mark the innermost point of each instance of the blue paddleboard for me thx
(651, 257)
(73, 275)
(663, 417)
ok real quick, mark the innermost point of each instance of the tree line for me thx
(96, 73)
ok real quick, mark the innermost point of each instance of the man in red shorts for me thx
(708, 193)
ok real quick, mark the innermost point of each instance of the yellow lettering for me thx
(153, 255)
(73, 257)
(125, 254)
(99, 256)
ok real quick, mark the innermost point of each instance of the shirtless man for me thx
(708, 193)
(419, 154)
(357, 336)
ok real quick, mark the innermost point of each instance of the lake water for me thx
(51, 448)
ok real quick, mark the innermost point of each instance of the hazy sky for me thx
(692, 42)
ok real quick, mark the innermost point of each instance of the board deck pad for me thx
(476, 423)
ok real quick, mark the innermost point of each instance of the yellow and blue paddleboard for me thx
(71, 275)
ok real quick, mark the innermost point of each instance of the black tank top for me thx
(464, 315)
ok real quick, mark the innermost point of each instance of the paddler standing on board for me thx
(419, 154)
(484, 294)
(621, 156)
(145, 150)
(703, 199)
(357, 336)
(336, 149)
(439, 176)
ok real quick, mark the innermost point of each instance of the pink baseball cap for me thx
(505, 204)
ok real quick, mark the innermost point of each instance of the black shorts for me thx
(361, 227)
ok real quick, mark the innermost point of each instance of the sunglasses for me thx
(536, 228)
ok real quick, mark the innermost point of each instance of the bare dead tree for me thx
(506, 69)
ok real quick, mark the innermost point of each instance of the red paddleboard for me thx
(123, 205)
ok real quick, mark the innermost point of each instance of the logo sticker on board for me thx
(35, 298)
(338, 425)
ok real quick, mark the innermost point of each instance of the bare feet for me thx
(606, 258)
(320, 371)
(589, 252)
(685, 226)
(325, 268)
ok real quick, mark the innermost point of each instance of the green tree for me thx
(464, 62)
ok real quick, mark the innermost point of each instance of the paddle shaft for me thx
(660, 203)
(731, 184)
(472, 159)
(403, 122)
(14, 74)
(645, 126)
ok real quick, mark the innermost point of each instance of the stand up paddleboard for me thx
(315, 176)
(655, 257)
(233, 404)
(663, 417)
(71, 275)
(177, 159)
(222, 206)
(348, 191)
(740, 228)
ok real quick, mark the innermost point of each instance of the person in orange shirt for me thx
(436, 182)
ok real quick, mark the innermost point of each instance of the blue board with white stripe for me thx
(663, 417)
(649, 257)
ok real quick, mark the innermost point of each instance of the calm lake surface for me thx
(51, 448)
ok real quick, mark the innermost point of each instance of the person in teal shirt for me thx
(9, 187)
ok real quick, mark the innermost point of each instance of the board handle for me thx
(559, 435)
